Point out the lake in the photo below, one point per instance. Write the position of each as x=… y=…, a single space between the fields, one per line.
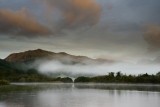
x=79 y=95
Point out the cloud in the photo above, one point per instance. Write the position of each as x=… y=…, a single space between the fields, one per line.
x=21 y=23
x=152 y=36
x=74 y=13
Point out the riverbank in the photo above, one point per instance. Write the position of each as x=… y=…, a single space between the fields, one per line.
x=28 y=87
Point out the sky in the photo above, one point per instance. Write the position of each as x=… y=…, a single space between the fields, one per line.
x=120 y=30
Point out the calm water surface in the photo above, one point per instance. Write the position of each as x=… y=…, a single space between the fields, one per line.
x=80 y=95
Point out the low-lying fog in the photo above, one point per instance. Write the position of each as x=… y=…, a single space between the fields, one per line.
x=96 y=69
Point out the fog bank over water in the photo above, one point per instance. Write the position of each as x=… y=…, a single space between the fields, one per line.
x=96 y=69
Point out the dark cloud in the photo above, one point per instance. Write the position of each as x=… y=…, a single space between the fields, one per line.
x=152 y=36
x=74 y=13
x=21 y=23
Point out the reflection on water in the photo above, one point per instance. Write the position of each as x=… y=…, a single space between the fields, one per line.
x=82 y=95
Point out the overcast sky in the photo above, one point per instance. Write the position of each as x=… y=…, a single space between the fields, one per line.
x=122 y=30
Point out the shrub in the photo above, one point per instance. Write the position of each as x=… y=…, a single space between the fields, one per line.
x=4 y=82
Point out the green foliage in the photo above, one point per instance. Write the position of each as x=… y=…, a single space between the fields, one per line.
x=82 y=79
x=111 y=74
x=119 y=74
x=158 y=74
x=65 y=80
x=120 y=78
x=4 y=82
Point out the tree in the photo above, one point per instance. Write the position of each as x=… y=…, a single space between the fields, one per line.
x=82 y=79
x=119 y=74
x=4 y=82
x=111 y=74
x=158 y=74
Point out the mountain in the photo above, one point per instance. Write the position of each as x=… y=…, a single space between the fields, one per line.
x=28 y=55
x=38 y=54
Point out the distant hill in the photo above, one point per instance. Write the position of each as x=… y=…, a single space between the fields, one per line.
x=38 y=54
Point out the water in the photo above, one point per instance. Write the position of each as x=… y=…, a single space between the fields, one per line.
x=80 y=95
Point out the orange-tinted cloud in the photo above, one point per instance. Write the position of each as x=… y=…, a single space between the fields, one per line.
x=76 y=13
x=21 y=23
x=152 y=36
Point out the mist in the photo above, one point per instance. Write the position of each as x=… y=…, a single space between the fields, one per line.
x=57 y=67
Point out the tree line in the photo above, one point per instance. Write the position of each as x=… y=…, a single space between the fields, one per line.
x=121 y=78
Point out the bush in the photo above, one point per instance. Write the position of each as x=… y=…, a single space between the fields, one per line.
x=64 y=80
x=4 y=82
x=82 y=79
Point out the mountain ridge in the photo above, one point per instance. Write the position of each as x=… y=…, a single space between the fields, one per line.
x=32 y=55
